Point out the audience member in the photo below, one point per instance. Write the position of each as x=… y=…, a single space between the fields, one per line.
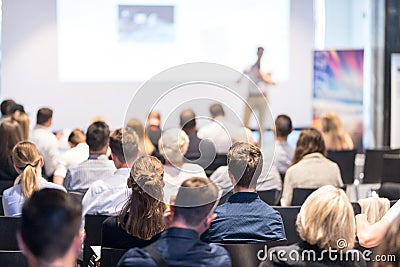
x=140 y=221
x=370 y=235
x=6 y=108
x=200 y=151
x=50 y=232
x=390 y=247
x=97 y=166
x=107 y=196
x=173 y=144
x=23 y=120
x=189 y=216
x=219 y=131
x=145 y=145
x=374 y=207
x=10 y=135
x=153 y=129
x=45 y=140
x=28 y=163
x=245 y=218
x=283 y=152
x=336 y=138
x=310 y=168
x=326 y=226
x=78 y=153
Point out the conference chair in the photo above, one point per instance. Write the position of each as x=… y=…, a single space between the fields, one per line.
x=8 y=231
x=78 y=195
x=111 y=256
x=373 y=164
x=250 y=255
x=289 y=216
x=5 y=184
x=13 y=258
x=271 y=197
x=225 y=197
x=93 y=225
x=390 y=182
x=1 y=206
x=300 y=195
x=356 y=208
x=345 y=159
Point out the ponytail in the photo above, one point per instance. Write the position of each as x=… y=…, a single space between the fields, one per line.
x=29 y=180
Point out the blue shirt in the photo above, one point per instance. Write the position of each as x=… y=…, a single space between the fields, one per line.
x=245 y=218
x=178 y=247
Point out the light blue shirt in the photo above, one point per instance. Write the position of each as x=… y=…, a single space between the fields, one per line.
x=13 y=199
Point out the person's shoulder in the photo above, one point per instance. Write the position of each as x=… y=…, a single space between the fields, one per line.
x=136 y=257
x=10 y=191
x=47 y=184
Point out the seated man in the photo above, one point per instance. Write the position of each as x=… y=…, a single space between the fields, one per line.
x=50 y=233
x=107 y=196
x=97 y=166
x=245 y=218
x=189 y=216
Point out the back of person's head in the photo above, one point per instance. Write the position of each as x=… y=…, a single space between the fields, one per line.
x=145 y=144
x=187 y=119
x=10 y=134
x=173 y=145
x=97 y=135
x=23 y=120
x=374 y=207
x=50 y=225
x=154 y=118
x=333 y=130
x=217 y=110
x=245 y=162
x=195 y=201
x=390 y=246
x=310 y=141
x=283 y=126
x=142 y=215
x=27 y=161
x=124 y=144
x=325 y=218
x=147 y=163
x=5 y=106
x=44 y=115
x=76 y=137
x=330 y=122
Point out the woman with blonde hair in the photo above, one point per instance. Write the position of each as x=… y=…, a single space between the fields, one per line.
x=28 y=163
x=326 y=226
x=140 y=221
x=310 y=168
x=23 y=120
x=145 y=144
x=389 y=249
x=335 y=137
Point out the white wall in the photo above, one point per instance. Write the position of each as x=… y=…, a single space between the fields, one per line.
x=29 y=70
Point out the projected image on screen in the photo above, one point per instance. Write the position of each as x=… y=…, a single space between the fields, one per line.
x=133 y=40
x=145 y=24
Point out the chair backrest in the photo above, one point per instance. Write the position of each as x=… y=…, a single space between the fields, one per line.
x=289 y=216
x=8 y=231
x=300 y=195
x=13 y=258
x=346 y=161
x=356 y=208
x=93 y=226
x=5 y=184
x=225 y=197
x=111 y=256
x=390 y=190
x=373 y=164
x=1 y=206
x=78 y=195
x=271 y=197
x=391 y=168
x=248 y=254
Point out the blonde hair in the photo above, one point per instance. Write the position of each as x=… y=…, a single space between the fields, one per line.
x=390 y=245
x=374 y=207
x=145 y=144
x=173 y=145
x=26 y=158
x=333 y=130
x=23 y=121
x=326 y=218
x=147 y=163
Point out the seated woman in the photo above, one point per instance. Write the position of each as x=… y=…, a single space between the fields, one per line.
x=145 y=144
x=28 y=164
x=335 y=137
x=326 y=225
x=310 y=168
x=141 y=219
x=173 y=145
x=390 y=247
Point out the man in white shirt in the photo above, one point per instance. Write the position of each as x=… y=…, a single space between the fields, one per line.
x=78 y=152
x=108 y=196
x=283 y=152
x=45 y=141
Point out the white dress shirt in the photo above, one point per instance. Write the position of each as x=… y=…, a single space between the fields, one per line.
x=175 y=176
x=107 y=197
x=393 y=212
x=71 y=157
x=47 y=144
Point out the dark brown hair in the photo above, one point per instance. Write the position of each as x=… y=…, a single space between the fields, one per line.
x=310 y=141
x=124 y=144
x=97 y=135
x=10 y=135
x=43 y=115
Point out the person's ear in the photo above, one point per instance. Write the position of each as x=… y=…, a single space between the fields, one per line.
x=77 y=243
x=41 y=162
x=231 y=177
x=16 y=169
